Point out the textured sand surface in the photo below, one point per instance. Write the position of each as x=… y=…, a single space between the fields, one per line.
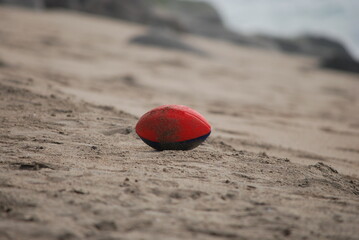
x=282 y=161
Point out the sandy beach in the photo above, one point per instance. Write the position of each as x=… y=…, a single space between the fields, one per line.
x=282 y=161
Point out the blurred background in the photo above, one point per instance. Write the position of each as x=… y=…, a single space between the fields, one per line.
x=326 y=29
x=331 y=18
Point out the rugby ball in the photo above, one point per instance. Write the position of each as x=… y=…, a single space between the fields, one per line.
x=173 y=127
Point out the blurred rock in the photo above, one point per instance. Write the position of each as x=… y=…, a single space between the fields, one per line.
x=198 y=18
x=331 y=54
x=339 y=63
x=165 y=39
x=134 y=10
x=308 y=45
x=36 y=4
x=202 y=19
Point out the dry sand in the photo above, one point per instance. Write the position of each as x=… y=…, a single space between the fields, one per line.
x=282 y=161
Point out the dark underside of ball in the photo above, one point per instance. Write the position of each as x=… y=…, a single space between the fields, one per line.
x=184 y=145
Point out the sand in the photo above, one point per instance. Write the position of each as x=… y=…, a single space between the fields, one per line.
x=282 y=161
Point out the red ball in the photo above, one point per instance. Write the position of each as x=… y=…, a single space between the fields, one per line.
x=173 y=127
